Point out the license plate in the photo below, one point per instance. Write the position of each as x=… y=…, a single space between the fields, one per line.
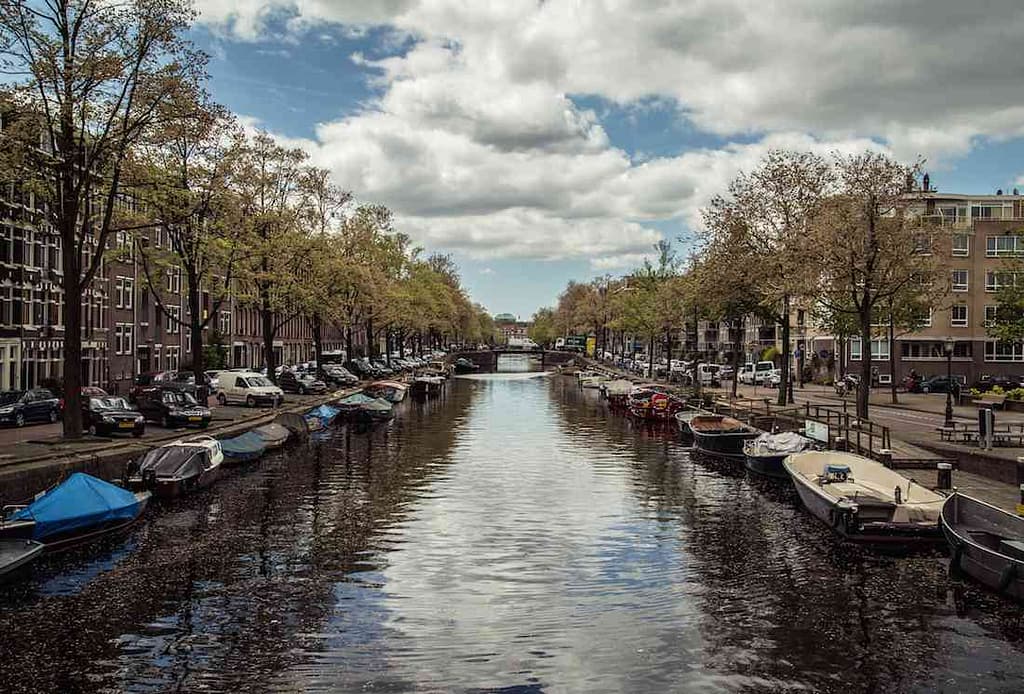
x=195 y=419
x=126 y=425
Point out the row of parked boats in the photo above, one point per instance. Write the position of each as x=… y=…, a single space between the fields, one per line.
x=83 y=508
x=860 y=499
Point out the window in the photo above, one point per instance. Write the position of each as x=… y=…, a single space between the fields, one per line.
x=987 y=211
x=879 y=349
x=959 y=280
x=990 y=314
x=124 y=292
x=173 y=356
x=174 y=280
x=173 y=320
x=961 y=245
x=951 y=214
x=958 y=316
x=933 y=349
x=124 y=334
x=996 y=280
x=1000 y=246
x=1004 y=351
x=225 y=323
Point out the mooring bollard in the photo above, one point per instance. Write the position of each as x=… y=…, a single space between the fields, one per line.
x=885 y=457
x=1020 y=484
x=946 y=475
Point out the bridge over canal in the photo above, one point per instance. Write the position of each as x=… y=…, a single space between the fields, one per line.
x=487 y=359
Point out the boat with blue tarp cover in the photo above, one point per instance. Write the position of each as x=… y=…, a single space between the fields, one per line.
x=243 y=448
x=362 y=406
x=79 y=509
x=274 y=435
x=322 y=416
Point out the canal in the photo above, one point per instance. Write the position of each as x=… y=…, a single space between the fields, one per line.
x=511 y=536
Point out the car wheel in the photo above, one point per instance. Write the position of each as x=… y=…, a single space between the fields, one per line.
x=222 y=399
x=19 y=420
x=92 y=430
x=250 y=401
x=925 y=389
x=53 y=416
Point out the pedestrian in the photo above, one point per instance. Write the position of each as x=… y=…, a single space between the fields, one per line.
x=874 y=376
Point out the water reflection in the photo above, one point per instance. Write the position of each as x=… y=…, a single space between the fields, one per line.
x=511 y=535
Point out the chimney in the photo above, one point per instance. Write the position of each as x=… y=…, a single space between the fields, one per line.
x=926 y=184
x=1016 y=192
x=999 y=192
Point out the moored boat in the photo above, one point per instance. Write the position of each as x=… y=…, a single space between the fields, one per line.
x=243 y=448
x=362 y=406
x=178 y=467
x=321 y=417
x=986 y=544
x=653 y=403
x=617 y=392
x=80 y=509
x=423 y=386
x=765 y=454
x=864 y=501
x=721 y=436
x=685 y=416
x=464 y=366
x=273 y=435
x=392 y=391
x=17 y=553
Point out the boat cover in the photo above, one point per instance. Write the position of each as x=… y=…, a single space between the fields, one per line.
x=245 y=446
x=176 y=461
x=325 y=413
x=80 y=501
x=778 y=444
x=377 y=405
x=295 y=423
x=618 y=387
x=272 y=434
x=355 y=400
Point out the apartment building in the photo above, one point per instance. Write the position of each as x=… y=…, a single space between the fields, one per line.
x=124 y=330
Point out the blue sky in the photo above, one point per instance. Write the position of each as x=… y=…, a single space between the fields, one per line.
x=543 y=142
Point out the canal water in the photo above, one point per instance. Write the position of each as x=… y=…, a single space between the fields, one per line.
x=512 y=536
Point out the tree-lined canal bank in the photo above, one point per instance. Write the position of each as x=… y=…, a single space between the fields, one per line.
x=514 y=534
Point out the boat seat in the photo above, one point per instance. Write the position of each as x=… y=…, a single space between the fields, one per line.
x=1012 y=548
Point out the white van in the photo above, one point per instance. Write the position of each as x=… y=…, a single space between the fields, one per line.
x=249 y=388
x=762 y=370
x=746 y=374
x=708 y=374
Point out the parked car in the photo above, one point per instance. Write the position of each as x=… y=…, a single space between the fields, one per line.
x=186 y=380
x=761 y=371
x=171 y=407
x=773 y=379
x=249 y=388
x=935 y=384
x=383 y=368
x=86 y=392
x=301 y=383
x=148 y=379
x=18 y=407
x=746 y=374
x=363 y=368
x=214 y=380
x=725 y=373
x=987 y=383
x=337 y=374
x=105 y=415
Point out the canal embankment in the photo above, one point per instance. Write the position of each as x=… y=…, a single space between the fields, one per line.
x=29 y=469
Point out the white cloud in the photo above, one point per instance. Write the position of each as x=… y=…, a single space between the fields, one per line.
x=476 y=144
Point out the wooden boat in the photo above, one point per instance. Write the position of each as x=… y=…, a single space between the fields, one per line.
x=986 y=543
x=721 y=436
x=16 y=554
x=177 y=468
x=685 y=416
x=653 y=403
x=392 y=391
x=864 y=501
x=244 y=448
x=273 y=435
x=80 y=509
x=423 y=386
x=765 y=454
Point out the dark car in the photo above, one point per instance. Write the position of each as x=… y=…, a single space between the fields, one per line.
x=382 y=368
x=987 y=383
x=106 y=415
x=935 y=384
x=147 y=380
x=19 y=407
x=291 y=382
x=171 y=407
x=335 y=373
x=362 y=368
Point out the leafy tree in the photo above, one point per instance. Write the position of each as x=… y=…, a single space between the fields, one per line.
x=542 y=328
x=94 y=77
x=1007 y=325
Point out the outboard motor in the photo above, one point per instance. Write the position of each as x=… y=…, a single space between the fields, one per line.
x=897 y=495
x=149 y=479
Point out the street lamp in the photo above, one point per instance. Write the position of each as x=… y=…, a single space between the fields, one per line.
x=950 y=343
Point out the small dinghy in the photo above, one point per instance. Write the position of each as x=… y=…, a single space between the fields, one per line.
x=178 y=467
x=321 y=417
x=764 y=455
x=294 y=423
x=392 y=391
x=80 y=509
x=362 y=406
x=652 y=403
x=273 y=435
x=721 y=436
x=864 y=501
x=986 y=543
x=684 y=417
x=424 y=386
x=243 y=448
x=16 y=554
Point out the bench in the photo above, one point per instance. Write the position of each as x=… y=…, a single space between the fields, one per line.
x=991 y=400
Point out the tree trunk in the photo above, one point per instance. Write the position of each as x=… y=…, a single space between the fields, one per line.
x=72 y=344
x=317 y=328
x=349 y=354
x=650 y=358
x=370 y=352
x=267 y=317
x=864 y=391
x=668 y=352
x=196 y=340
x=736 y=353
x=785 y=367
x=401 y=344
x=696 y=350
x=388 y=346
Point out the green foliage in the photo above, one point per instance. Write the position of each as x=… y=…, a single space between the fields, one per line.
x=1015 y=394
x=215 y=352
x=542 y=331
x=769 y=354
x=1008 y=324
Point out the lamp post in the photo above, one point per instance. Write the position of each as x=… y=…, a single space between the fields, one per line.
x=950 y=343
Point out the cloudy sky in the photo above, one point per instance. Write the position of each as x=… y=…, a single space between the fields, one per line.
x=539 y=140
